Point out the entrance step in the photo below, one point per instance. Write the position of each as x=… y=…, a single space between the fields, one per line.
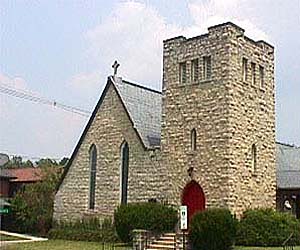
x=167 y=241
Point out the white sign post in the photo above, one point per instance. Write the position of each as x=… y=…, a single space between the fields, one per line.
x=183 y=218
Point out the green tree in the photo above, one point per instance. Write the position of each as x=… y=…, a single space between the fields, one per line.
x=32 y=208
x=64 y=161
x=18 y=162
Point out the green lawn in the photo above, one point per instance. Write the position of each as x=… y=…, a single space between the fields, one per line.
x=262 y=248
x=81 y=245
x=60 y=245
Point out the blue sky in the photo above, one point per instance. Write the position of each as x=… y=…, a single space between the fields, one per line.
x=63 y=51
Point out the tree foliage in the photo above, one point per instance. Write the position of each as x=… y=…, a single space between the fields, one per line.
x=32 y=207
x=18 y=162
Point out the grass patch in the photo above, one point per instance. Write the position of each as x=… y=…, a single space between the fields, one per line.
x=262 y=248
x=61 y=245
x=84 y=245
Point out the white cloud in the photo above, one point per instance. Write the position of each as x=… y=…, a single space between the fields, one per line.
x=133 y=35
x=212 y=12
x=86 y=82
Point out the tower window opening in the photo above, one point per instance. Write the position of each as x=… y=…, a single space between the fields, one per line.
x=182 y=72
x=244 y=69
x=193 y=140
x=195 y=70
x=261 y=77
x=253 y=73
x=207 y=67
x=254 y=158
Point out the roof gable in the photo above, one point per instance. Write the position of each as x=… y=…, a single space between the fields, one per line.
x=137 y=102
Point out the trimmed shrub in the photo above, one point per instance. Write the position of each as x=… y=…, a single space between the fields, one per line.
x=266 y=227
x=154 y=217
x=213 y=229
x=87 y=229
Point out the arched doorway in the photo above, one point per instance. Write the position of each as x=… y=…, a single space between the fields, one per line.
x=193 y=197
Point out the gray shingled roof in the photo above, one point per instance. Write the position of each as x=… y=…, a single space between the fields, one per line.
x=144 y=107
x=288 y=166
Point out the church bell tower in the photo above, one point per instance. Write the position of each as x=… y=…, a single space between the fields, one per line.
x=218 y=120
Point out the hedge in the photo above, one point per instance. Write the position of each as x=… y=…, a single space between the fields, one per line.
x=266 y=227
x=154 y=217
x=86 y=229
x=213 y=229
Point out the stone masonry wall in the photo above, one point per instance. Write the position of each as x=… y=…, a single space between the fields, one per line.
x=252 y=121
x=111 y=126
x=228 y=115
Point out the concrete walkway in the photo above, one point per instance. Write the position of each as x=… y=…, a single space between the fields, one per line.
x=23 y=238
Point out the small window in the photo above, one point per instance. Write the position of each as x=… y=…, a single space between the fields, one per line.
x=253 y=73
x=261 y=77
x=253 y=157
x=93 y=168
x=195 y=70
x=207 y=67
x=244 y=69
x=193 y=140
x=182 y=73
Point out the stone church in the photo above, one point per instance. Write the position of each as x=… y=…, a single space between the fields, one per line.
x=207 y=140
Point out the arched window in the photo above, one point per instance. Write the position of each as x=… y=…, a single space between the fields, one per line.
x=253 y=157
x=124 y=172
x=93 y=168
x=193 y=139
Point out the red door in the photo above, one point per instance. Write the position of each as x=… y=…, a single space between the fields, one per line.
x=193 y=197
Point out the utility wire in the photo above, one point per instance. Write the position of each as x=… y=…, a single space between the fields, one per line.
x=33 y=98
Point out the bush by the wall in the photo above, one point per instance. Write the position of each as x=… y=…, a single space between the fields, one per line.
x=266 y=227
x=154 y=217
x=86 y=229
x=213 y=229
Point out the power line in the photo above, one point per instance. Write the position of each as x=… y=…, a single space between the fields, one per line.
x=34 y=98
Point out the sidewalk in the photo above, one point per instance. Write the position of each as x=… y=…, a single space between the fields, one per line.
x=24 y=238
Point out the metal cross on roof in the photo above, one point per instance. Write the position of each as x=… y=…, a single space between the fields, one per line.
x=115 y=67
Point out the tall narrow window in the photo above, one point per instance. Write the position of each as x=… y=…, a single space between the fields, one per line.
x=253 y=157
x=261 y=77
x=207 y=67
x=195 y=70
x=124 y=172
x=244 y=69
x=253 y=73
x=193 y=140
x=93 y=168
x=182 y=72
